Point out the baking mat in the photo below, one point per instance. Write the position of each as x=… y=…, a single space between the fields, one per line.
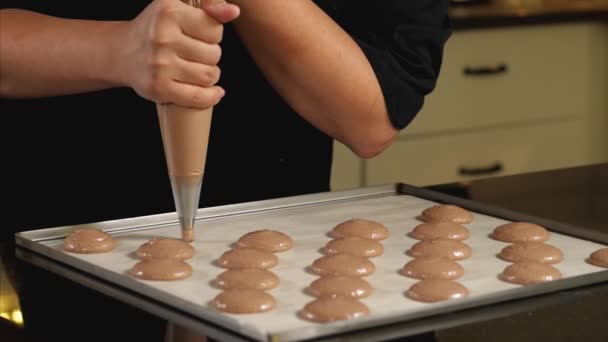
x=307 y=219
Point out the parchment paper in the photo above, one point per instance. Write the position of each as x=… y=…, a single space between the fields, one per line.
x=308 y=227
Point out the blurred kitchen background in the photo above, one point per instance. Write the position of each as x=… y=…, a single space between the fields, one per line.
x=523 y=87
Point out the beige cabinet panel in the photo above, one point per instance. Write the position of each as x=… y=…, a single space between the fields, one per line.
x=548 y=109
x=507 y=151
x=598 y=119
x=346 y=171
x=548 y=73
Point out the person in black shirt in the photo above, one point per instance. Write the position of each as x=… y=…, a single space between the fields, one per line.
x=295 y=76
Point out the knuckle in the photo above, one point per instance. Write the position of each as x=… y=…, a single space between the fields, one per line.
x=203 y=97
x=160 y=29
x=216 y=53
x=160 y=41
x=211 y=75
x=155 y=85
x=157 y=63
x=216 y=33
x=160 y=37
x=216 y=73
x=166 y=11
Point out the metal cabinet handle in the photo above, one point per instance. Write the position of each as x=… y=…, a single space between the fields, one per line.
x=478 y=171
x=467 y=2
x=485 y=70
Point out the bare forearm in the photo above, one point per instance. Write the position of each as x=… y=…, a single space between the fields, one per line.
x=319 y=70
x=45 y=56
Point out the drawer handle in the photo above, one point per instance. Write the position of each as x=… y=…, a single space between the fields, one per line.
x=486 y=70
x=477 y=171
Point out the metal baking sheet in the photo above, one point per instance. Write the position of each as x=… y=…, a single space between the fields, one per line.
x=307 y=219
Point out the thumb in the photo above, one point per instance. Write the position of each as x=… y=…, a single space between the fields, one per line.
x=220 y=10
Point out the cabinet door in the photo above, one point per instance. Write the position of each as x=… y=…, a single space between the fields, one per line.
x=346 y=171
x=547 y=109
x=513 y=75
x=453 y=158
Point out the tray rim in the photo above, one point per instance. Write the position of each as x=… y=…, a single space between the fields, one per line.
x=159 y=220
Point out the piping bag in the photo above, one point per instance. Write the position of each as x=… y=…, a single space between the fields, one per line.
x=185 y=134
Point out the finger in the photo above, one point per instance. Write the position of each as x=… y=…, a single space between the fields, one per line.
x=188 y=95
x=212 y=2
x=223 y=13
x=200 y=52
x=197 y=74
x=197 y=24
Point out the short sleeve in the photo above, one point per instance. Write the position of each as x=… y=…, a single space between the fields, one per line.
x=403 y=41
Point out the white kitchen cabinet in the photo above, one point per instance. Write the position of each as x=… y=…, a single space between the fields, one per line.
x=508 y=100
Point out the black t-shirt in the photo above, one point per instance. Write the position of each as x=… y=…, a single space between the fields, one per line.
x=98 y=156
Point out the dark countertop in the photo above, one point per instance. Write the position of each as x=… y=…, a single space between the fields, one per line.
x=578 y=196
x=491 y=13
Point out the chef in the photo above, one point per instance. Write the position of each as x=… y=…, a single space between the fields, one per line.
x=79 y=80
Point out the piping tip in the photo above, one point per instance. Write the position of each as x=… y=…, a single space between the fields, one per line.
x=188 y=234
x=186 y=193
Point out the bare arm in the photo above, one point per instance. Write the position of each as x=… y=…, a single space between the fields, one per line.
x=167 y=54
x=43 y=56
x=319 y=70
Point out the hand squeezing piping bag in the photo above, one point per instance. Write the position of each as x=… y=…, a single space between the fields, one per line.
x=185 y=134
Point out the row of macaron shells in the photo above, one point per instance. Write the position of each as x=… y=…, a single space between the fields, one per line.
x=437 y=253
x=530 y=256
x=247 y=280
x=441 y=247
x=346 y=262
x=163 y=259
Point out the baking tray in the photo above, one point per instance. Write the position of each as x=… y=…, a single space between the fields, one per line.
x=307 y=219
